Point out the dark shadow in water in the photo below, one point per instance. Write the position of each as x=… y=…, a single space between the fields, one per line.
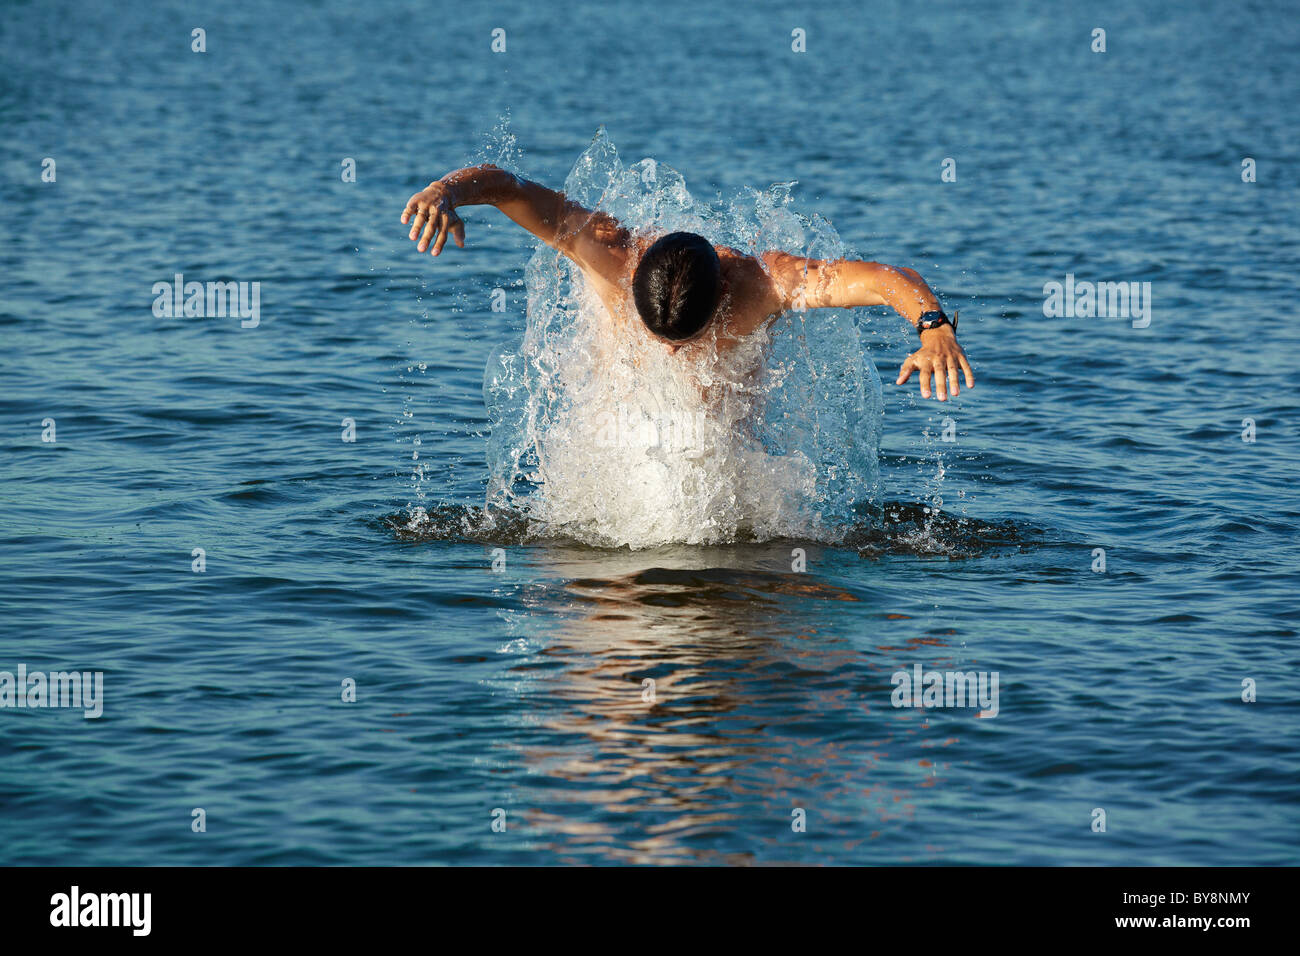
x=893 y=528
x=771 y=691
x=760 y=703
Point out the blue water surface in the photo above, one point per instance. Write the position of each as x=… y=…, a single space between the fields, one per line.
x=524 y=690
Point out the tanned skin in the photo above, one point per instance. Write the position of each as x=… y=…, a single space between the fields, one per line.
x=755 y=290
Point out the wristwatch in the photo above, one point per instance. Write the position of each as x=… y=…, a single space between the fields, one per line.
x=934 y=319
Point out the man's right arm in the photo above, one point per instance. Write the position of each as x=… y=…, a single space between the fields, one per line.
x=594 y=240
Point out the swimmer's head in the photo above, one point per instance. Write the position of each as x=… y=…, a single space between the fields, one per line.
x=677 y=285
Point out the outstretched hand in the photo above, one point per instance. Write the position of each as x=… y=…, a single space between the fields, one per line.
x=434 y=211
x=939 y=357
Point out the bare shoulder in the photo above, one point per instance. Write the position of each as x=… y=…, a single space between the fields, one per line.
x=786 y=270
x=755 y=291
x=610 y=267
x=601 y=245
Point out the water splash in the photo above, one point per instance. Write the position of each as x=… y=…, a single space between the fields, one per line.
x=599 y=434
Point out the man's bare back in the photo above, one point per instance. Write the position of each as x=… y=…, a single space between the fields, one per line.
x=751 y=290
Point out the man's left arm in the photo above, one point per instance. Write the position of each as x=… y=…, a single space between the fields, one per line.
x=847 y=284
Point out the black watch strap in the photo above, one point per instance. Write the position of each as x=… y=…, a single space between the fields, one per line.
x=934 y=319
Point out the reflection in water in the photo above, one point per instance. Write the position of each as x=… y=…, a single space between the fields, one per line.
x=757 y=704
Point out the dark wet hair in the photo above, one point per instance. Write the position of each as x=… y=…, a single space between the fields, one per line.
x=677 y=284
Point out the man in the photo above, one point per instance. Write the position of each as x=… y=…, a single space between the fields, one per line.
x=679 y=285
